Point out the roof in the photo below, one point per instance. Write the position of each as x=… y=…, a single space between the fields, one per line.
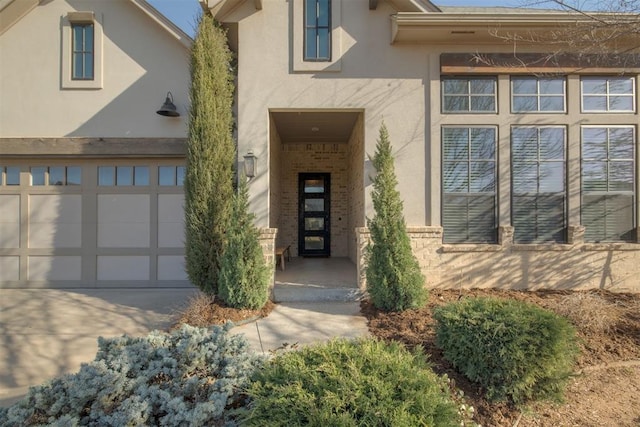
x=12 y=11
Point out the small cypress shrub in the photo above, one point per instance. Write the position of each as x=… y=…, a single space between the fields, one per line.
x=514 y=350
x=244 y=275
x=394 y=280
x=349 y=383
x=190 y=377
x=208 y=184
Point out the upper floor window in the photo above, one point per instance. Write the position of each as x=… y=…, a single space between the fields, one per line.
x=538 y=177
x=123 y=175
x=531 y=94
x=608 y=94
x=608 y=183
x=469 y=95
x=469 y=184
x=317 y=30
x=82 y=51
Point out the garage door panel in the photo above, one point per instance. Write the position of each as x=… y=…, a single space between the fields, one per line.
x=51 y=235
x=124 y=221
x=10 y=221
x=65 y=208
x=171 y=267
x=9 y=268
x=55 y=268
x=123 y=267
x=171 y=220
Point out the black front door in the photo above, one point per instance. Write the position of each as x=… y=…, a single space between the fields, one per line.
x=313 y=217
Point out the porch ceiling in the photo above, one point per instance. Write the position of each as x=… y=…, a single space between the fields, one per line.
x=314 y=126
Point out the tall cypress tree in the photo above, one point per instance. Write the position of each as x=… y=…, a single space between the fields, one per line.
x=211 y=151
x=394 y=280
x=244 y=275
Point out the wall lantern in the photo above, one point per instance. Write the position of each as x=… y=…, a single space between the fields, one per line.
x=250 y=164
x=168 y=109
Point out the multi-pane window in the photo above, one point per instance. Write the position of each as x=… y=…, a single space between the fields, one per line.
x=608 y=94
x=608 y=183
x=469 y=184
x=82 y=51
x=317 y=30
x=469 y=95
x=56 y=175
x=538 y=183
x=9 y=175
x=123 y=175
x=171 y=175
x=537 y=94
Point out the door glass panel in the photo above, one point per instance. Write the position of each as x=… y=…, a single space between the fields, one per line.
x=313 y=224
x=314 y=205
x=313 y=243
x=314 y=186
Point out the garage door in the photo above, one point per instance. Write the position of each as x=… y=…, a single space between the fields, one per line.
x=95 y=223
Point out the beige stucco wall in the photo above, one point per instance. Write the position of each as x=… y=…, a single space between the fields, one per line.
x=141 y=63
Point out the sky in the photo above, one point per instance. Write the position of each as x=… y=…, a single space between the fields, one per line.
x=184 y=13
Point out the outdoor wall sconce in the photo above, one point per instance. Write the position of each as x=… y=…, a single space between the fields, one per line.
x=250 y=164
x=168 y=109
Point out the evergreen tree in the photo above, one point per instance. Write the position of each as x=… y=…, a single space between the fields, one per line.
x=244 y=275
x=394 y=280
x=208 y=182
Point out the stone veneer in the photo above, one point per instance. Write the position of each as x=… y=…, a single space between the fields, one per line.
x=268 y=244
x=506 y=265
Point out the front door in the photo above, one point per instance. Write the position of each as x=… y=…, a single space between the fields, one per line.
x=313 y=217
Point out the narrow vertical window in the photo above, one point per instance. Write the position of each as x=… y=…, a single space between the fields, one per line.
x=608 y=183
x=538 y=184
x=317 y=30
x=469 y=184
x=82 y=51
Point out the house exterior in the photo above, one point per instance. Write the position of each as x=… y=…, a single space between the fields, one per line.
x=516 y=170
x=90 y=175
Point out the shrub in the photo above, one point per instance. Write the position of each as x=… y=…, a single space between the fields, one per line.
x=349 y=383
x=190 y=377
x=394 y=280
x=244 y=275
x=511 y=348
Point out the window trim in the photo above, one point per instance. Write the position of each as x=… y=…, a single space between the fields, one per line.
x=607 y=95
x=538 y=95
x=469 y=95
x=66 y=70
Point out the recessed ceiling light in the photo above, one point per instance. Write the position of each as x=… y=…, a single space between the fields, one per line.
x=315 y=129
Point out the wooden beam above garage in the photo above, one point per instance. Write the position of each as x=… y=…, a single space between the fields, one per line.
x=93 y=147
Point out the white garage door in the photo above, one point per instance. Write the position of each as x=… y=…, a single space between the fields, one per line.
x=95 y=223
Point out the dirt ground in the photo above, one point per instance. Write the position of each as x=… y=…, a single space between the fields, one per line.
x=605 y=389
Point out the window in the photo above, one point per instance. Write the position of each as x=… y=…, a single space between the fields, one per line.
x=123 y=175
x=469 y=184
x=464 y=95
x=608 y=94
x=608 y=183
x=171 y=175
x=533 y=94
x=317 y=30
x=56 y=175
x=82 y=51
x=9 y=175
x=538 y=184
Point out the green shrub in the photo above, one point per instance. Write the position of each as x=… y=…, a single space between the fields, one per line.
x=513 y=349
x=394 y=280
x=349 y=383
x=191 y=377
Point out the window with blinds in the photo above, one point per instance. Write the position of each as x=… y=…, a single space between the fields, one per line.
x=608 y=183
x=538 y=174
x=469 y=184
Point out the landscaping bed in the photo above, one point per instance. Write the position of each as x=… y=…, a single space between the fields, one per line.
x=607 y=382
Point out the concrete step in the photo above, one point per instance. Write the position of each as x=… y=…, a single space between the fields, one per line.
x=315 y=293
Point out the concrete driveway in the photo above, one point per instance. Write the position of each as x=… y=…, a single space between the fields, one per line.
x=45 y=332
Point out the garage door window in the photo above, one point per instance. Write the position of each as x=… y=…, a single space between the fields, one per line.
x=171 y=176
x=56 y=175
x=9 y=175
x=123 y=176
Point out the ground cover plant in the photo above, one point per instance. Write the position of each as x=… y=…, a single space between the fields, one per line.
x=607 y=382
x=364 y=382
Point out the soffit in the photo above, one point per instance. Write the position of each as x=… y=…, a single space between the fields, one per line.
x=314 y=126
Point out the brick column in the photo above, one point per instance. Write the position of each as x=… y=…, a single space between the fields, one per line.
x=268 y=245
